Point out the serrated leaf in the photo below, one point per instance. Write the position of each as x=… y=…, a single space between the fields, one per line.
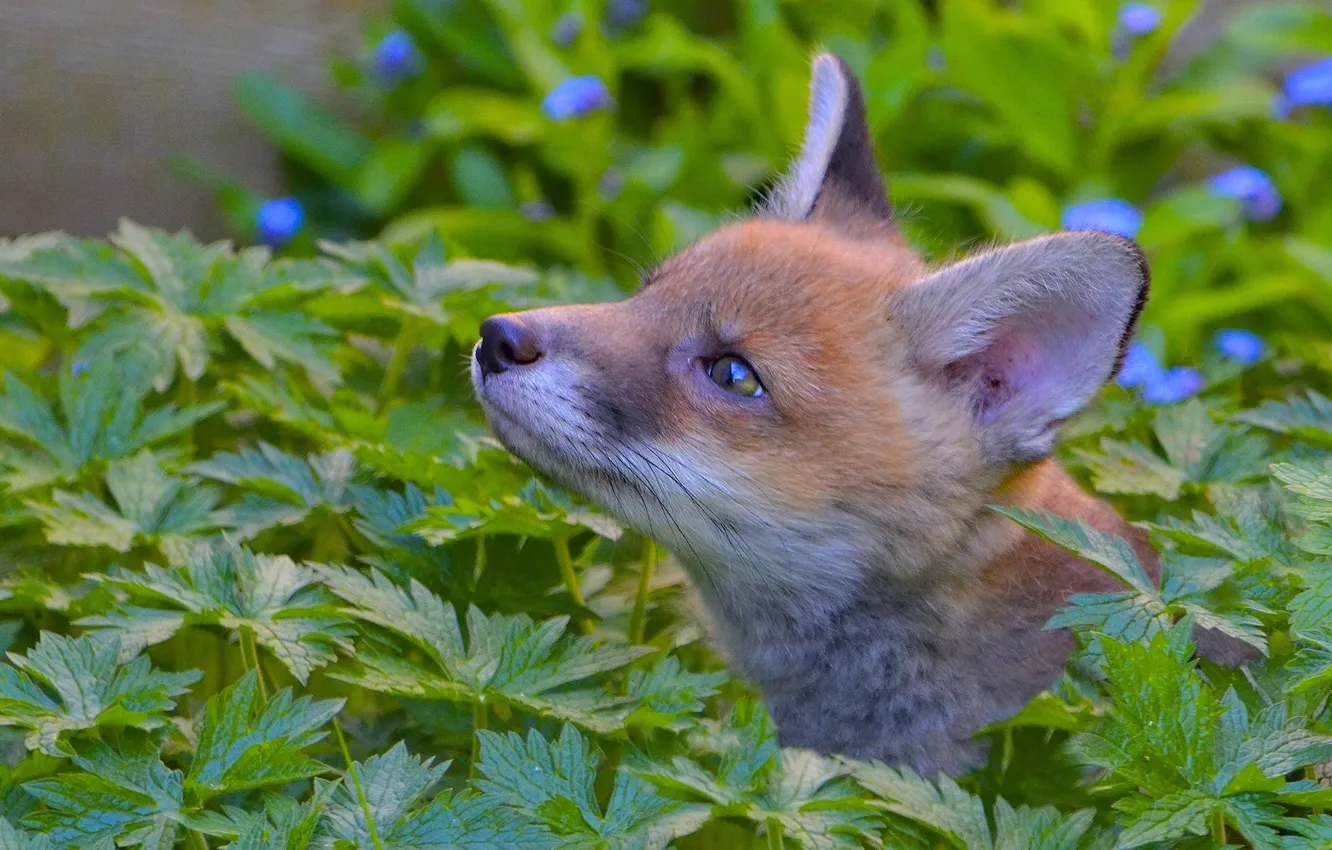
x=1107 y=551
x=271 y=597
x=284 y=489
x=246 y=743
x=943 y=807
x=1132 y=468
x=150 y=507
x=531 y=665
x=87 y=689
x=101 y=418
x=130 y=798
x=550 y=784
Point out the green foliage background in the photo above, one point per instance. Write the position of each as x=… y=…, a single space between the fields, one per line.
x=268 y=583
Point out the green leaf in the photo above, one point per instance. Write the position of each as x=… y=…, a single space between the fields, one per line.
x=102 y=420
x=531 y=665
x=1134 y=469
x=1307 y=417
x=68 y=684
x=272 y=597
x=12 y=838
x=151 y=507
x=129 y=797
x=303 y=131
x=1170 y=817
x=1109 y=552
x=246 y=743
x=283 y=489
x=943 y=807
x=550 y=784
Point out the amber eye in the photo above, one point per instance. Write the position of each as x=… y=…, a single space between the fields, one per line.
x=735 y=376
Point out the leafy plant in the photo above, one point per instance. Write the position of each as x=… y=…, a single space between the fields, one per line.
x=265 y=581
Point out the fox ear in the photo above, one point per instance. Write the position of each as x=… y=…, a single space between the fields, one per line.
x=835 y=178
x=1026 y=335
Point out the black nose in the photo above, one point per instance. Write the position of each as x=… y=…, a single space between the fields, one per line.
x=507 y=343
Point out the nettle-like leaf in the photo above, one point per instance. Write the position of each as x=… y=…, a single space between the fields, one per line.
x=282 y=489
x=12 y=838
x=100 y=417
x=533 y=511
x=428 y=285
x=1144 y=610
x=282 y=822
x=528 y=664
x=746 y=774
x=959 y=817
x=1307 y=418
x=245 y=742
x=165 y=298
x=394 y=786
x=128 y=797
x=1197 y=453
x=1193 y=756
x=549 y=786
x=269 y=596
x=671 y=696
x=69 y=684
x=150 y=507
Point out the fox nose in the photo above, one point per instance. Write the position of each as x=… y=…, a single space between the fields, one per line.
x=507 y=343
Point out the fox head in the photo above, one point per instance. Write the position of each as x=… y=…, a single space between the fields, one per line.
x=796 y=403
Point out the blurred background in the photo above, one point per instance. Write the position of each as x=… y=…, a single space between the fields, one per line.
x=600 y=134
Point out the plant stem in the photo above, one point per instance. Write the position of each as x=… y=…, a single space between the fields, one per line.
x=402 y=347
x=197 y=840
x=356 y=783
x=186 y=395
x=563 y=558
x=480 y=566
x=248 y=645
x=648 y=565
x=774 y=834
x=1219 y=825
x=478 y=724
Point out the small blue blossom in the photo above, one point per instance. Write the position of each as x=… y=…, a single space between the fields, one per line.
x=78 y=367
x=1140 y=366
x=1253 y=187
x=935 y=59
x=1139 y=19
x=566 y=30
x=1173 y=385
x=278 y=220
x=610 y=185
x=576 y=97
x=1110 y=215
x=538 y=210
x=396 y=58
x=623 y=15
x=1308 y=86
x=1243 y=347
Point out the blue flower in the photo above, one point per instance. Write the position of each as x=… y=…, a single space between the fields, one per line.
x=78 y=367
x=1111 y=215
x=278 y=220
x=1241 y=346
x=1173 y=385
x=1308 y=86
x=1253 y=187
x=623 y=15
x=576 y=97
x=1139 y=19
x=566 y=30
x=1140 y=366
x=610 y=185
x=396 y=58
x=538 y=210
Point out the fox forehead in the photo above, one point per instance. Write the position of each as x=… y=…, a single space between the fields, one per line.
x=801 y=270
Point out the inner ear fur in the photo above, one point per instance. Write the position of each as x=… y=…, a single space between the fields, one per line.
x=835 y=179
x=1026 y=335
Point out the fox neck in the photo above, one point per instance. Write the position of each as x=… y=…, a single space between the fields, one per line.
x=945 y=645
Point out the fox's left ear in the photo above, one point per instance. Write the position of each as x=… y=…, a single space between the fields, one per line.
x=835 y=179
x=1025 y=335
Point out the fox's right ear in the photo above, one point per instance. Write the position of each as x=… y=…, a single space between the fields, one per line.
x=835 y=179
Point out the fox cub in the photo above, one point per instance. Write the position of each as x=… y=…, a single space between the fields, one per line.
x=814 y=422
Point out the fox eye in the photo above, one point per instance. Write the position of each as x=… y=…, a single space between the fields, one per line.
x=735 y=376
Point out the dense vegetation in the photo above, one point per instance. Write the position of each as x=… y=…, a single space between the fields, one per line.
x=267 y=583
